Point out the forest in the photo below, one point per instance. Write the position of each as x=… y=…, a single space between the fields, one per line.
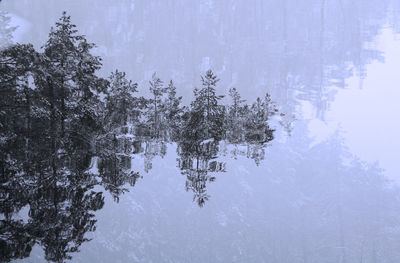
x=64 y=130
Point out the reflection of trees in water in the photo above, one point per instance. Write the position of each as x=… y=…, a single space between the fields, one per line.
x=196 y=166
x=52 y=118
x=198 y=161
x=60 y=140
x=153 y=149
x=313 y=208
x=60 y=216
x=305 y=204
x=115 y=171
x=201 y=165
x=61 y=207
x=309 y=204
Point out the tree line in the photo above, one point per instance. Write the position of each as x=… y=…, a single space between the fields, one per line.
x=56 y=114
x=53 y=104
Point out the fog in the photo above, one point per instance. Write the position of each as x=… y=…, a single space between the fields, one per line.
x=324 y=189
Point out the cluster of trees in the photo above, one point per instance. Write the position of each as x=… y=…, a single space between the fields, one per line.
x=163 y=117
x=57 y=114
x=57 y=95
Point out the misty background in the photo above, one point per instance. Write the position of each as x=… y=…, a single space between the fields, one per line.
x=326 y=190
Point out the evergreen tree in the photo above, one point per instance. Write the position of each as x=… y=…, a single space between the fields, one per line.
x=72 y=69
x=207 y=96
x=121 y=104
x=61 y=51
x=68 y=85
x=235 y=120
x=172 y=111
x=207 y=115
x=156 y=108
x=257 y=129
x=20 y=113
x=269 y=106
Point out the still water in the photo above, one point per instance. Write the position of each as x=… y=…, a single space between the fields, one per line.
x=324 y=190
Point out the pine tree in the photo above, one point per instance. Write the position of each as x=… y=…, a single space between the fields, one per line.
x=156 y=108
x=257 y=128
x=18 y=108
x=68 y=85
x=269 y=106
x=61 y=51
x=208 y=97
x=235 y=127
x=206 y=111
x=120 y=101
x=72 y=67
x=172 y=111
